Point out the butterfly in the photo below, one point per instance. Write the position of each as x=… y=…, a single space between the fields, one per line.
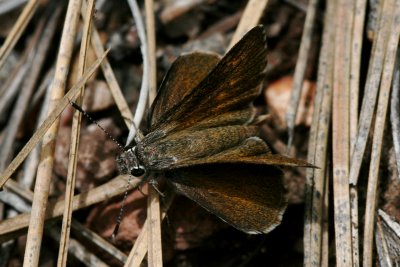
x=203 y=138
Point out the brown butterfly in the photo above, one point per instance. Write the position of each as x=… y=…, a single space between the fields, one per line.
x=203 y=138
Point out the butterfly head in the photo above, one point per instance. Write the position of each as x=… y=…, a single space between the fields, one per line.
x=128 y=163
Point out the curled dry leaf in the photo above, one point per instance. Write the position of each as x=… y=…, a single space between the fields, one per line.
x=277 y=96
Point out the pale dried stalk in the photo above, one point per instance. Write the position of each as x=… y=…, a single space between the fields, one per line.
x=370 y=91
x=139 y=249
x=74 y=144
x=75 y=248
x=357 y=43
x=354 y=225
x=300 y=70
x=24 y=95
x=356 y=46
x=98 y=241
x=33 y=141
x=313 y=205
x=251 y=16
x=325 y=223
x=45 y=168
x=79 y=251
x=154 y=255
x=109 y=74
x=17 y=30
x=384 y=93
x=144 y=87
x=11 y=86
x=395 y=113
x=113 y=188
x=382 y=246
x=341 y=134
x=151 y=49
x=356 y=36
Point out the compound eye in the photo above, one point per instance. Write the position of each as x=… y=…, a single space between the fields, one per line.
x=137 y=171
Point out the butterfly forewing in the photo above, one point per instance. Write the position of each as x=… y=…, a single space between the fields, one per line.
x=231 y=85
x=185 y=73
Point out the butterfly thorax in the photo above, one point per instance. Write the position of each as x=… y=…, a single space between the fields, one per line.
x=182 y=148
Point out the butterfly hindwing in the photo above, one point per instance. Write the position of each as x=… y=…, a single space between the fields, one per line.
x=248 y=197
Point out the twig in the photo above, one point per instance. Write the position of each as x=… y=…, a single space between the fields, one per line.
x=300 y=70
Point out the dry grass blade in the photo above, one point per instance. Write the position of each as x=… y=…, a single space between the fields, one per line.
x=24 y=95
x=79 y=251
x=11 y=228
x=144 y=88
x=357 y=42
x=251 y=16
x=317 y=182
x=45 y=168
x=139 y=250
x=388 y=231
x=325 y=223
x=71 y=95
x=151 y=49
x=75 y=248
x=154 y=254
x=395 y=112
x=370 y=91
x=300 y=69
x=17 y=30
x=73 y=155
x=340 y=134
x=383 y=101
x=382 y=246
x=154 y=248
x=109 y=74
x=95 y=239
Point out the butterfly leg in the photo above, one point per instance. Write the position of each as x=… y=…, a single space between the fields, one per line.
x=153 y=182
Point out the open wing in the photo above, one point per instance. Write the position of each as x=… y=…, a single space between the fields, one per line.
x=248 y=197
x=232 y=85
x=185 y=73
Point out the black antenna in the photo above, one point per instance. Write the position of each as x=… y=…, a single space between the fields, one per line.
x=121 y=212
x=73 y=104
